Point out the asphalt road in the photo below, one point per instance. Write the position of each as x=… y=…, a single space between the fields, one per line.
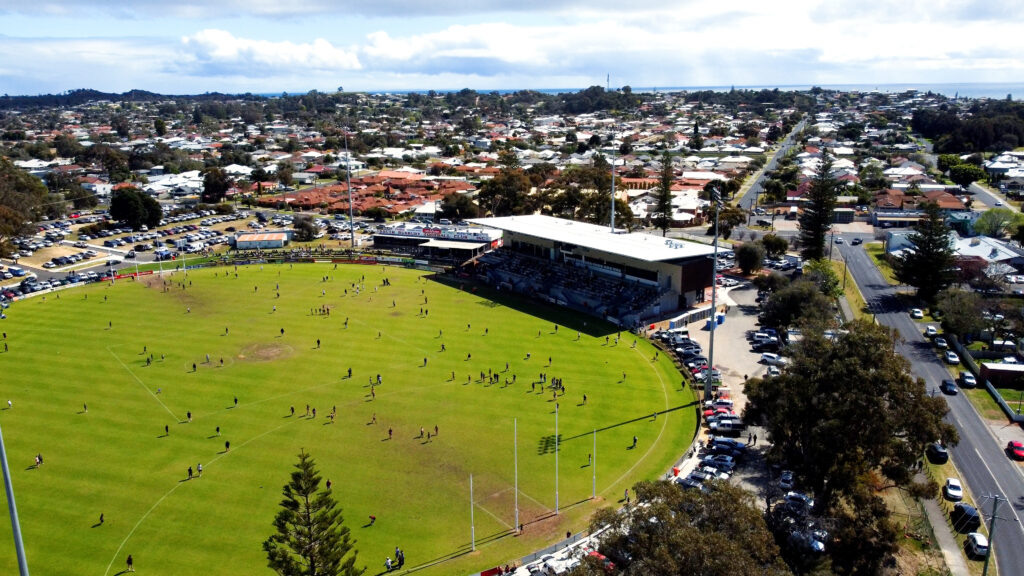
x=989 y=199
x=984 y=464
x=747 y=200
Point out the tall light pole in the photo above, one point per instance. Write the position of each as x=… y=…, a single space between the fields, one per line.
x=716 y=198
x=515 y=457
x=348 y=182
x=556 y=457
x=613 y=192
x=19 y=546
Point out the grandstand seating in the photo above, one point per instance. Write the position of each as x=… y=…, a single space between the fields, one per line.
x=575 y=286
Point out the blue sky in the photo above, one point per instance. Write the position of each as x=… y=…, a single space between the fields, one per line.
x=193 y=46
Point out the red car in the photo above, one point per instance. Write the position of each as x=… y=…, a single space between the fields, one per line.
x=1016 y=449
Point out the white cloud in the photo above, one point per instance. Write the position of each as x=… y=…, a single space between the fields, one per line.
x=220 y=52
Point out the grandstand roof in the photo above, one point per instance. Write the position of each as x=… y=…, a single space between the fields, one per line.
x=639 y=246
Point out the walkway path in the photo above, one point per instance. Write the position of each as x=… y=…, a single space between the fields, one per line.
x=944 y=537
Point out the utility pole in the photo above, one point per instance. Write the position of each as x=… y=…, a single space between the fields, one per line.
x=991 y=532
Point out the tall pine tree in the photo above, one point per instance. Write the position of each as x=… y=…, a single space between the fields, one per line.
x=663 y=202
x=928 y=265
x=816 y=220
x=311 y=539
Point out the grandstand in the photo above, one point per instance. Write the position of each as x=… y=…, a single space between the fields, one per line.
x=624 y=278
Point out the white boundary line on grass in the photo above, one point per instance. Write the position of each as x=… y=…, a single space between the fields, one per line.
x=664 y=423
x=176 y=486
x=141 y=383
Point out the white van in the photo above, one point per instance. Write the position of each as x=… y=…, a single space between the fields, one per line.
x=760 y=337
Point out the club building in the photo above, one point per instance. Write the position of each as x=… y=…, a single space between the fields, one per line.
x=625 y=278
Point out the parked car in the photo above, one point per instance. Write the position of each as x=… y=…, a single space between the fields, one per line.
x=941 y=343
x=721 y=462
x=967 y=379
x=952 y=358
x=965 y=517
x=937 y=453
x=976 y=545
x=772 y=359
x=953 y=490
x=1015 y=448
x=799 y=501
x=931 y=332
x=773 y=371
x=786 y=481
x=916 y=313
x=948 y=387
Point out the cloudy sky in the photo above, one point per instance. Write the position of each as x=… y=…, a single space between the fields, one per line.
x=193 y=46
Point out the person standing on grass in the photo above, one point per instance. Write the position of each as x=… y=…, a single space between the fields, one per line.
x=131 y=564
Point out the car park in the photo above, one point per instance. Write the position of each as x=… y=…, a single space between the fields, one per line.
x=952 y=358
x=948 y=387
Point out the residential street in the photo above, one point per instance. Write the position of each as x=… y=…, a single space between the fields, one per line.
x=980 y=456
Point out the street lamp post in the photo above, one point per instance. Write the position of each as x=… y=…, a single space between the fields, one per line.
x=716 y=197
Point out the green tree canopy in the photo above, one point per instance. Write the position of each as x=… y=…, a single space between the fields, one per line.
x=458 y=207
x=928 y=264
x=311 y=538
x=774 y=245
x=21 y=199
x=671 y=531
x=507 y=194
x=749 y=256
x=961 y=311
x=135 y=208
x=816 y=219
x=661 y=216
x=996 y=222
x=800 y=303
x=964 y=174
x=215 y=185
x=824 y=277
x=843 y=411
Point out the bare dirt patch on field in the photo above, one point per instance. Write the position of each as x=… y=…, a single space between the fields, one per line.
x=265 y=352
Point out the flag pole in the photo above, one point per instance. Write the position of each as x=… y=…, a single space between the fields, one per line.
x=593 y=463
x=556 y=458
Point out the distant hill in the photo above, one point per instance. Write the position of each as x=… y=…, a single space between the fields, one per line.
x=86 y=95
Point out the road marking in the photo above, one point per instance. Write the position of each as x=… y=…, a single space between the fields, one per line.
x=1006 y=495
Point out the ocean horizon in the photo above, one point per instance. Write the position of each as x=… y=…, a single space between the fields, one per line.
x=993 y=90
